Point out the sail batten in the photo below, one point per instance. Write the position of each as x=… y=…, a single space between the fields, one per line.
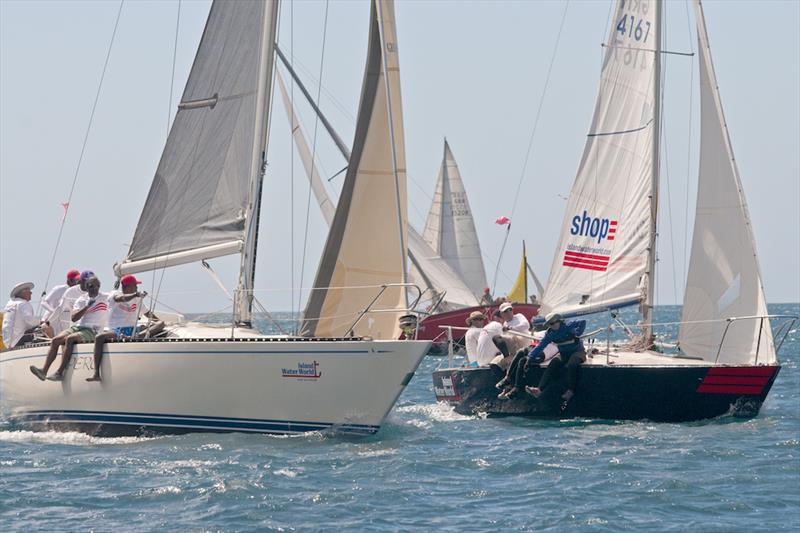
x=724 y=278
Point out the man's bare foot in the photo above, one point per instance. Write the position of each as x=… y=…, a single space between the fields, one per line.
x=94 y=378
x=58 y=376
x=534 y=391
x=38 y=372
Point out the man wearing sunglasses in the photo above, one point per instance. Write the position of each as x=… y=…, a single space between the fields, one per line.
x=90 y=313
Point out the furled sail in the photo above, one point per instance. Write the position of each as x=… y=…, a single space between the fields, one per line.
x=363 y=249
x=602 y=255
x=724 y=277
x=427 y=269
x=450 y=229
x=198 y=203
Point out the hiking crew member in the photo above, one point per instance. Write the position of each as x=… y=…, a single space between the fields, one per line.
x=19 y=319
x=490 y=341
x=514 y=322
x=91 y=314
x=125 y=307
x=476 y=321
x=69 y=298
x=571 y=353
x=53 y=316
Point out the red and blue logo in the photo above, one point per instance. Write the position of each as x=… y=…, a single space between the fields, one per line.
x=597 y=228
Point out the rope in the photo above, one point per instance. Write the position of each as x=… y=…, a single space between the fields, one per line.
x=313 y=153
x=83 y=149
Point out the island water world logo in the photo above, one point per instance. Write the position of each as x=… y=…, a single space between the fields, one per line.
x=308 y=371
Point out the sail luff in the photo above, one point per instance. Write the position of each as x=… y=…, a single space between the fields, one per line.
x=724 y=278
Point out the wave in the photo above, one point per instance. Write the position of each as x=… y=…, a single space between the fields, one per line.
x=71 y=438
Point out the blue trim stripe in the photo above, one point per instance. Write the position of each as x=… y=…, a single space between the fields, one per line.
x=145 y=420
x=217 y=352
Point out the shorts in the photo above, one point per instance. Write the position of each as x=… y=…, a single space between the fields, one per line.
x=87 y=334
x=123 y=332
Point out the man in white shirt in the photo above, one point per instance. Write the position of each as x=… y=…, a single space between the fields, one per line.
x=53 y=316
x=91 y=314
x=514 y=322
x=126 y=304
x=69 y=298
x=490 y=342
x=19 y=318
x=476 y=321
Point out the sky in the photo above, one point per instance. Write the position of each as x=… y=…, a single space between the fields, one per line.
x=474 y=72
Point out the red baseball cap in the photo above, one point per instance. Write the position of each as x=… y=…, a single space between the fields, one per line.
x=74 y=274
x=129 y=280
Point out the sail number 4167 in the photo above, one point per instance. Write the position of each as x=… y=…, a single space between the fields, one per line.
x=629 y=27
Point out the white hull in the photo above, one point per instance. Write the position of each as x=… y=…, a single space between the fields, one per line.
x=255 y=385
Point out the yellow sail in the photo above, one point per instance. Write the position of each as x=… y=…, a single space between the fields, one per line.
x=2 y=345
x=519 y=292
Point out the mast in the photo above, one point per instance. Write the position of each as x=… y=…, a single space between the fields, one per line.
x=647 y=307
x=389 y=47
x=243 y=302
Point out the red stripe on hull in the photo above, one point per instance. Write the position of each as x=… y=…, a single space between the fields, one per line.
x=736 y=380
x=742 y=371
x=730 y=389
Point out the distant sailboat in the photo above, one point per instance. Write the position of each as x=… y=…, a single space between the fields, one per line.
x=205 y=202
x=606 y=257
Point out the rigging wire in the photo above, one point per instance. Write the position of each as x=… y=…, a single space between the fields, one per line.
x=83 y=147
x=291 y=159
x=689 y=146
x=313 y=153
x=535 y=126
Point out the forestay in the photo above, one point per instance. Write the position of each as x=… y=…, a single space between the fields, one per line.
x=363 y=249
x=724 y=277
x=197 y=205
x=602 y=255
x=450 y=229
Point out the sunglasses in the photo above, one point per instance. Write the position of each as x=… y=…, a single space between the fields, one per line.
x=92 y=286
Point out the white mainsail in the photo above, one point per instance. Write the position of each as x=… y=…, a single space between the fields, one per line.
x=202 y=193
x=603 y=253
x=450 y=229
x=724 y=278
x=364 y=247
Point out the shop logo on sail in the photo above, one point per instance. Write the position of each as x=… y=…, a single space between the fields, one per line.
x=590 y=257
x=308 y=371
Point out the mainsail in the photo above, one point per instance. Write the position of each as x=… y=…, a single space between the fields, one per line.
x=603 y=253
x=364 y=248
x=724 y=278
x=202 y=195
x=450 y=229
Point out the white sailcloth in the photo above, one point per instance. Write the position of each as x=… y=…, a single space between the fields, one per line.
x=363 y=249
x=197 y=205
x=602 y=255
x=724 y=277
x=450 y=229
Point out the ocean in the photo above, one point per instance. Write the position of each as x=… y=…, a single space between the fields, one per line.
x=427 y=468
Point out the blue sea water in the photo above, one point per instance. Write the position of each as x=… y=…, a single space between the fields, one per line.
x=427 y=468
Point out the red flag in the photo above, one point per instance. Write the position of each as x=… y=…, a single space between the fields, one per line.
x=502 y=221
x=65 y=205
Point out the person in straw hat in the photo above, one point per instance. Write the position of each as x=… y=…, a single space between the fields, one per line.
x=475 y=321
x=19 y=319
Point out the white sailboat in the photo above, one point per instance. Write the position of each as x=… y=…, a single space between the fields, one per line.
x=606 y=256
x=204 y=203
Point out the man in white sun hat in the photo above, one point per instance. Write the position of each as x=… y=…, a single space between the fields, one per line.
x=19 y=319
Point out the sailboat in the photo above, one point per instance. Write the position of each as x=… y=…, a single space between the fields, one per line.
x=346 y=370
x=727 y=358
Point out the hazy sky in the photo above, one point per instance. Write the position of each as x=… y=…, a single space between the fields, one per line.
x=472 y=71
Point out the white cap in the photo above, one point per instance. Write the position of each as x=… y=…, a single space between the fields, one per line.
x=505 y=306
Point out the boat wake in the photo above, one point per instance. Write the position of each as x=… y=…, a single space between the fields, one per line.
x=424 y=415
x=71 y=438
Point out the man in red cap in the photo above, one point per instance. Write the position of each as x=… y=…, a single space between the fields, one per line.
x=126 y=305
x=55 y=318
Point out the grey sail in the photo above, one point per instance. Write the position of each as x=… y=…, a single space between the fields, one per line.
x=201 y=195
x=450 y=229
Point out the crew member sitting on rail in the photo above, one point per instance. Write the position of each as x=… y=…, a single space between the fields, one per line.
x=57 y=321
x=126 y=304
x=19 y=320
x=68 y=300
x=571 y=353
x=91 y=314
x=476 y=321
x=514 y=322
x=490 y=341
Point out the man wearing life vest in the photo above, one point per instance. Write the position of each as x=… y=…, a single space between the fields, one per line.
x=571 y=353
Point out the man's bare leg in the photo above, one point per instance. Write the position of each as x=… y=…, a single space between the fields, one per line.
x=99 y=341
x=69 y=346
x=51 y=356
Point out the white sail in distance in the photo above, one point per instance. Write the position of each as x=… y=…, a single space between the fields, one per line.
x=363 y=249
x=603 y=251
x=724 y=278
x=202 y=191
x=450 y=228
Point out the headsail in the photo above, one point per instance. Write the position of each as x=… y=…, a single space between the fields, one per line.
x=364 y=245
x=450 y=229
x=602 y=256
x=198 y=203
x=519 y=292
x=724 y=277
